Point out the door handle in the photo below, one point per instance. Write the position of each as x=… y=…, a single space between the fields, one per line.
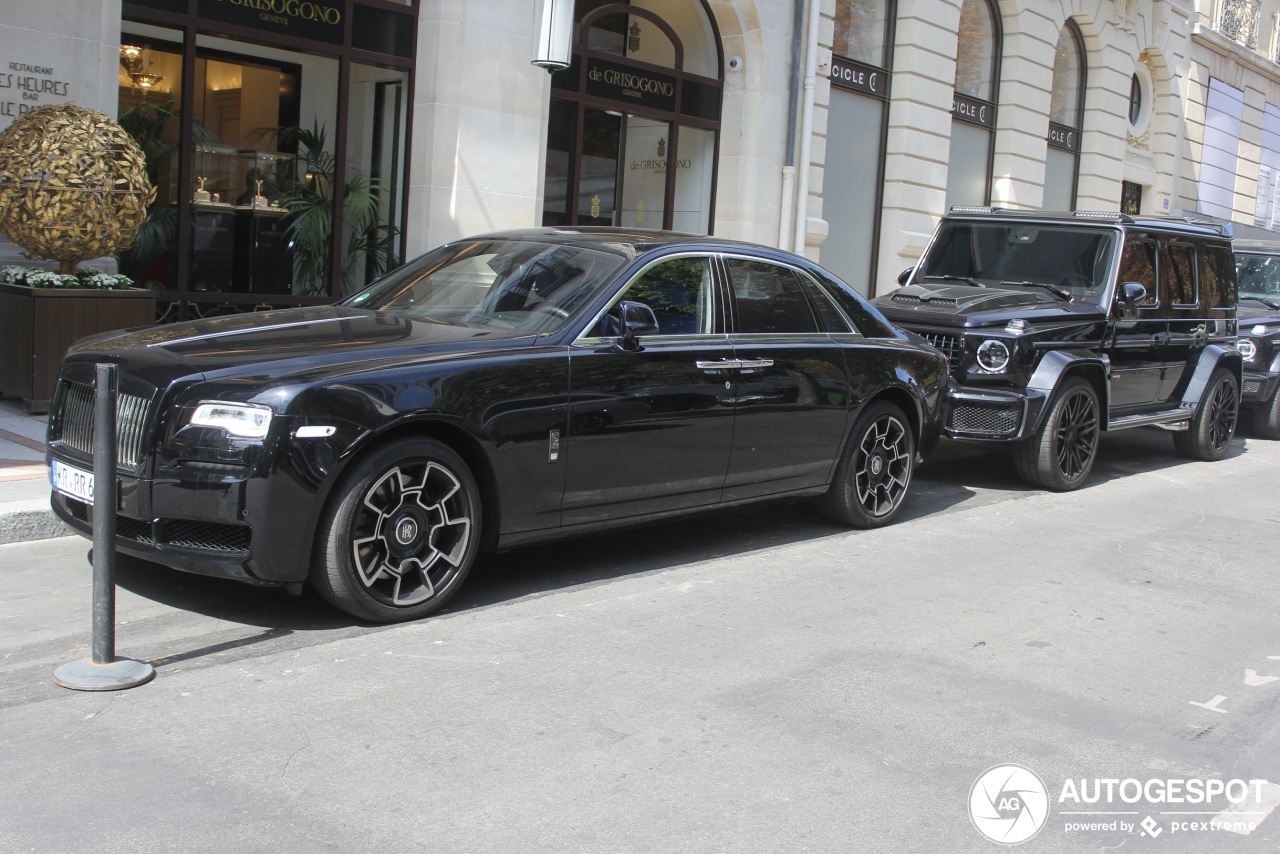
x=732 y=364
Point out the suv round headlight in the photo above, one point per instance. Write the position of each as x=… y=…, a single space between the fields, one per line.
x=993 y=356
x=1248 y=349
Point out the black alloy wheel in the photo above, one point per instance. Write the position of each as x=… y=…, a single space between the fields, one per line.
x=874 y=473
x=1060 y=456
x=1214 y=425
x=401 y=532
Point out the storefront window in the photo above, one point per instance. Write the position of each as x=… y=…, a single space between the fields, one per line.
x=1066 y=108
x=632 y=126
x=286 y=184
x=974 y=105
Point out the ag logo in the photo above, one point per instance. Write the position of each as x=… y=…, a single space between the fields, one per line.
x=1008 y=804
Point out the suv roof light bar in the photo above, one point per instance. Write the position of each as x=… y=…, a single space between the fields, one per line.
x=1110 y=216
x=974 y=209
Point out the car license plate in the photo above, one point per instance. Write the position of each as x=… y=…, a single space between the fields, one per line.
x=72 y=481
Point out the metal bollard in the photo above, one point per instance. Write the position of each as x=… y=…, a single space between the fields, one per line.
x=103 y=671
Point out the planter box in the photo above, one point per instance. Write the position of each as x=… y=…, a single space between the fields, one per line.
x=37 y=325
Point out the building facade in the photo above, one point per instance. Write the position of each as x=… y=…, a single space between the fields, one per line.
x=300 y=147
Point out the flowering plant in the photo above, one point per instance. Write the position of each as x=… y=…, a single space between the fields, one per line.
x=85 y=277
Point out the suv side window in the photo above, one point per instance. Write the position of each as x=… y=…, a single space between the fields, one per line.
x=769 y=298
x=1180 y=273
x=1218 y=272
x=679 y=292
x=1138 y=264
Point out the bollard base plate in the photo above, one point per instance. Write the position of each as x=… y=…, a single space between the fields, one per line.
x=86 y=675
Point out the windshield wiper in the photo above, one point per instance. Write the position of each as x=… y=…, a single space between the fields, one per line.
x=968 y=280
x=1053 y=289
x=1268 y=303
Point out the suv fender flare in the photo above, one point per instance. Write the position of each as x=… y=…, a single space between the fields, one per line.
x=1054 y=368
x=1211 y=358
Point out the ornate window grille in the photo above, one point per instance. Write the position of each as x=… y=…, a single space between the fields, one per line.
x=1238 y=21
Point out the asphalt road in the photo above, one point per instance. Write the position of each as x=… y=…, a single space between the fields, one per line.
x=743 y=681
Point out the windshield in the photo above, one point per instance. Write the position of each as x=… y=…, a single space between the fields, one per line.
x=1072 y=259
x=1258 y=276
x=523 y=285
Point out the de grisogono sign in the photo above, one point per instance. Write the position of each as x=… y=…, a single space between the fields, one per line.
x=308 y=19
x=618 y=82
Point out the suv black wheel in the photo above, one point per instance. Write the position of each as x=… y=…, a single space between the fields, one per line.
x=1061 y=455
x=400 y=533
x=873 y=474
x=1214 y=424
x=1265 y=417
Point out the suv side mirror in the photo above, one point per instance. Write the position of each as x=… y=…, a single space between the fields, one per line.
x=637 y=319
x=905 y=274
x=1131 y=294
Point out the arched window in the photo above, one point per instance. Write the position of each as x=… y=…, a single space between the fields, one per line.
x=634 y=121
x=1066 y=117
x=973 y=106
x=856 y=123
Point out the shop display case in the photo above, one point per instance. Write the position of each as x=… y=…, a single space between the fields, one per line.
x=263 y=262
x=212 y=217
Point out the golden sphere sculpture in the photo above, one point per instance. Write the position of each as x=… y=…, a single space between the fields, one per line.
x=73 y=185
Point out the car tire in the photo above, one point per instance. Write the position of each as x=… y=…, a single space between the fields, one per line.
x=1214 y=424
x=399 y=533
x=1060 y=456
x=1264 y=419
x=874 y=472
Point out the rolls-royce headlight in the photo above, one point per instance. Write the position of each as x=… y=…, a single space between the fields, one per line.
x=1248 y=349
x=993 y=356
x=242 y=420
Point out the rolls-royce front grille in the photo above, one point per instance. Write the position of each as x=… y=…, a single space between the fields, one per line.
x=77 y=430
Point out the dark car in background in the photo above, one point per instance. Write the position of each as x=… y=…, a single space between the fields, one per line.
x=1061 y=326
x=1258 y=276
x=501 y=390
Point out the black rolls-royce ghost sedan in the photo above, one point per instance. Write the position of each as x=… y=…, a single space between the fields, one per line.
x=500 y=390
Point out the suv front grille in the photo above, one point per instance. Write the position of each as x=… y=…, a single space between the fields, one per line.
x=952 y=346
x=76 y=420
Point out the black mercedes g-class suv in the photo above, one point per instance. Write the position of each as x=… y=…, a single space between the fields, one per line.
x=1058 y=326
x=1258 y=274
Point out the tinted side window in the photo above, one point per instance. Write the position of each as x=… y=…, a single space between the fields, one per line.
x=1180 y=273
x=832 y=319
x=1138 y=264
x=1218 y=273
x=769 y=298
x=679 y=292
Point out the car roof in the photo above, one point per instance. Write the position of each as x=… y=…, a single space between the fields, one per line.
x=625 y=240
x=1182 y=224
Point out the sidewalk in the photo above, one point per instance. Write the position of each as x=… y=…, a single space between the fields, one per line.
x=24 y=481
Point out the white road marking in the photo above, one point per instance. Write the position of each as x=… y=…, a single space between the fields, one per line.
x=1212 y=705
x=1251 y=677
x=1237 y=817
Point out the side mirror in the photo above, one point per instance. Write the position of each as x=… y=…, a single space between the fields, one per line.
x=1131 y=294
x=637 y=319
x=905 y=274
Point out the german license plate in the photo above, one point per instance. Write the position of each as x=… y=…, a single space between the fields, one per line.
x=72 y=481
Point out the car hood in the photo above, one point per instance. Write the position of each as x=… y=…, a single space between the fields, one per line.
x=1255 y=312
x=966 y=305
x=285 y=342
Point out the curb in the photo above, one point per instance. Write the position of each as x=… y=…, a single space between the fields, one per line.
x=23 y=521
